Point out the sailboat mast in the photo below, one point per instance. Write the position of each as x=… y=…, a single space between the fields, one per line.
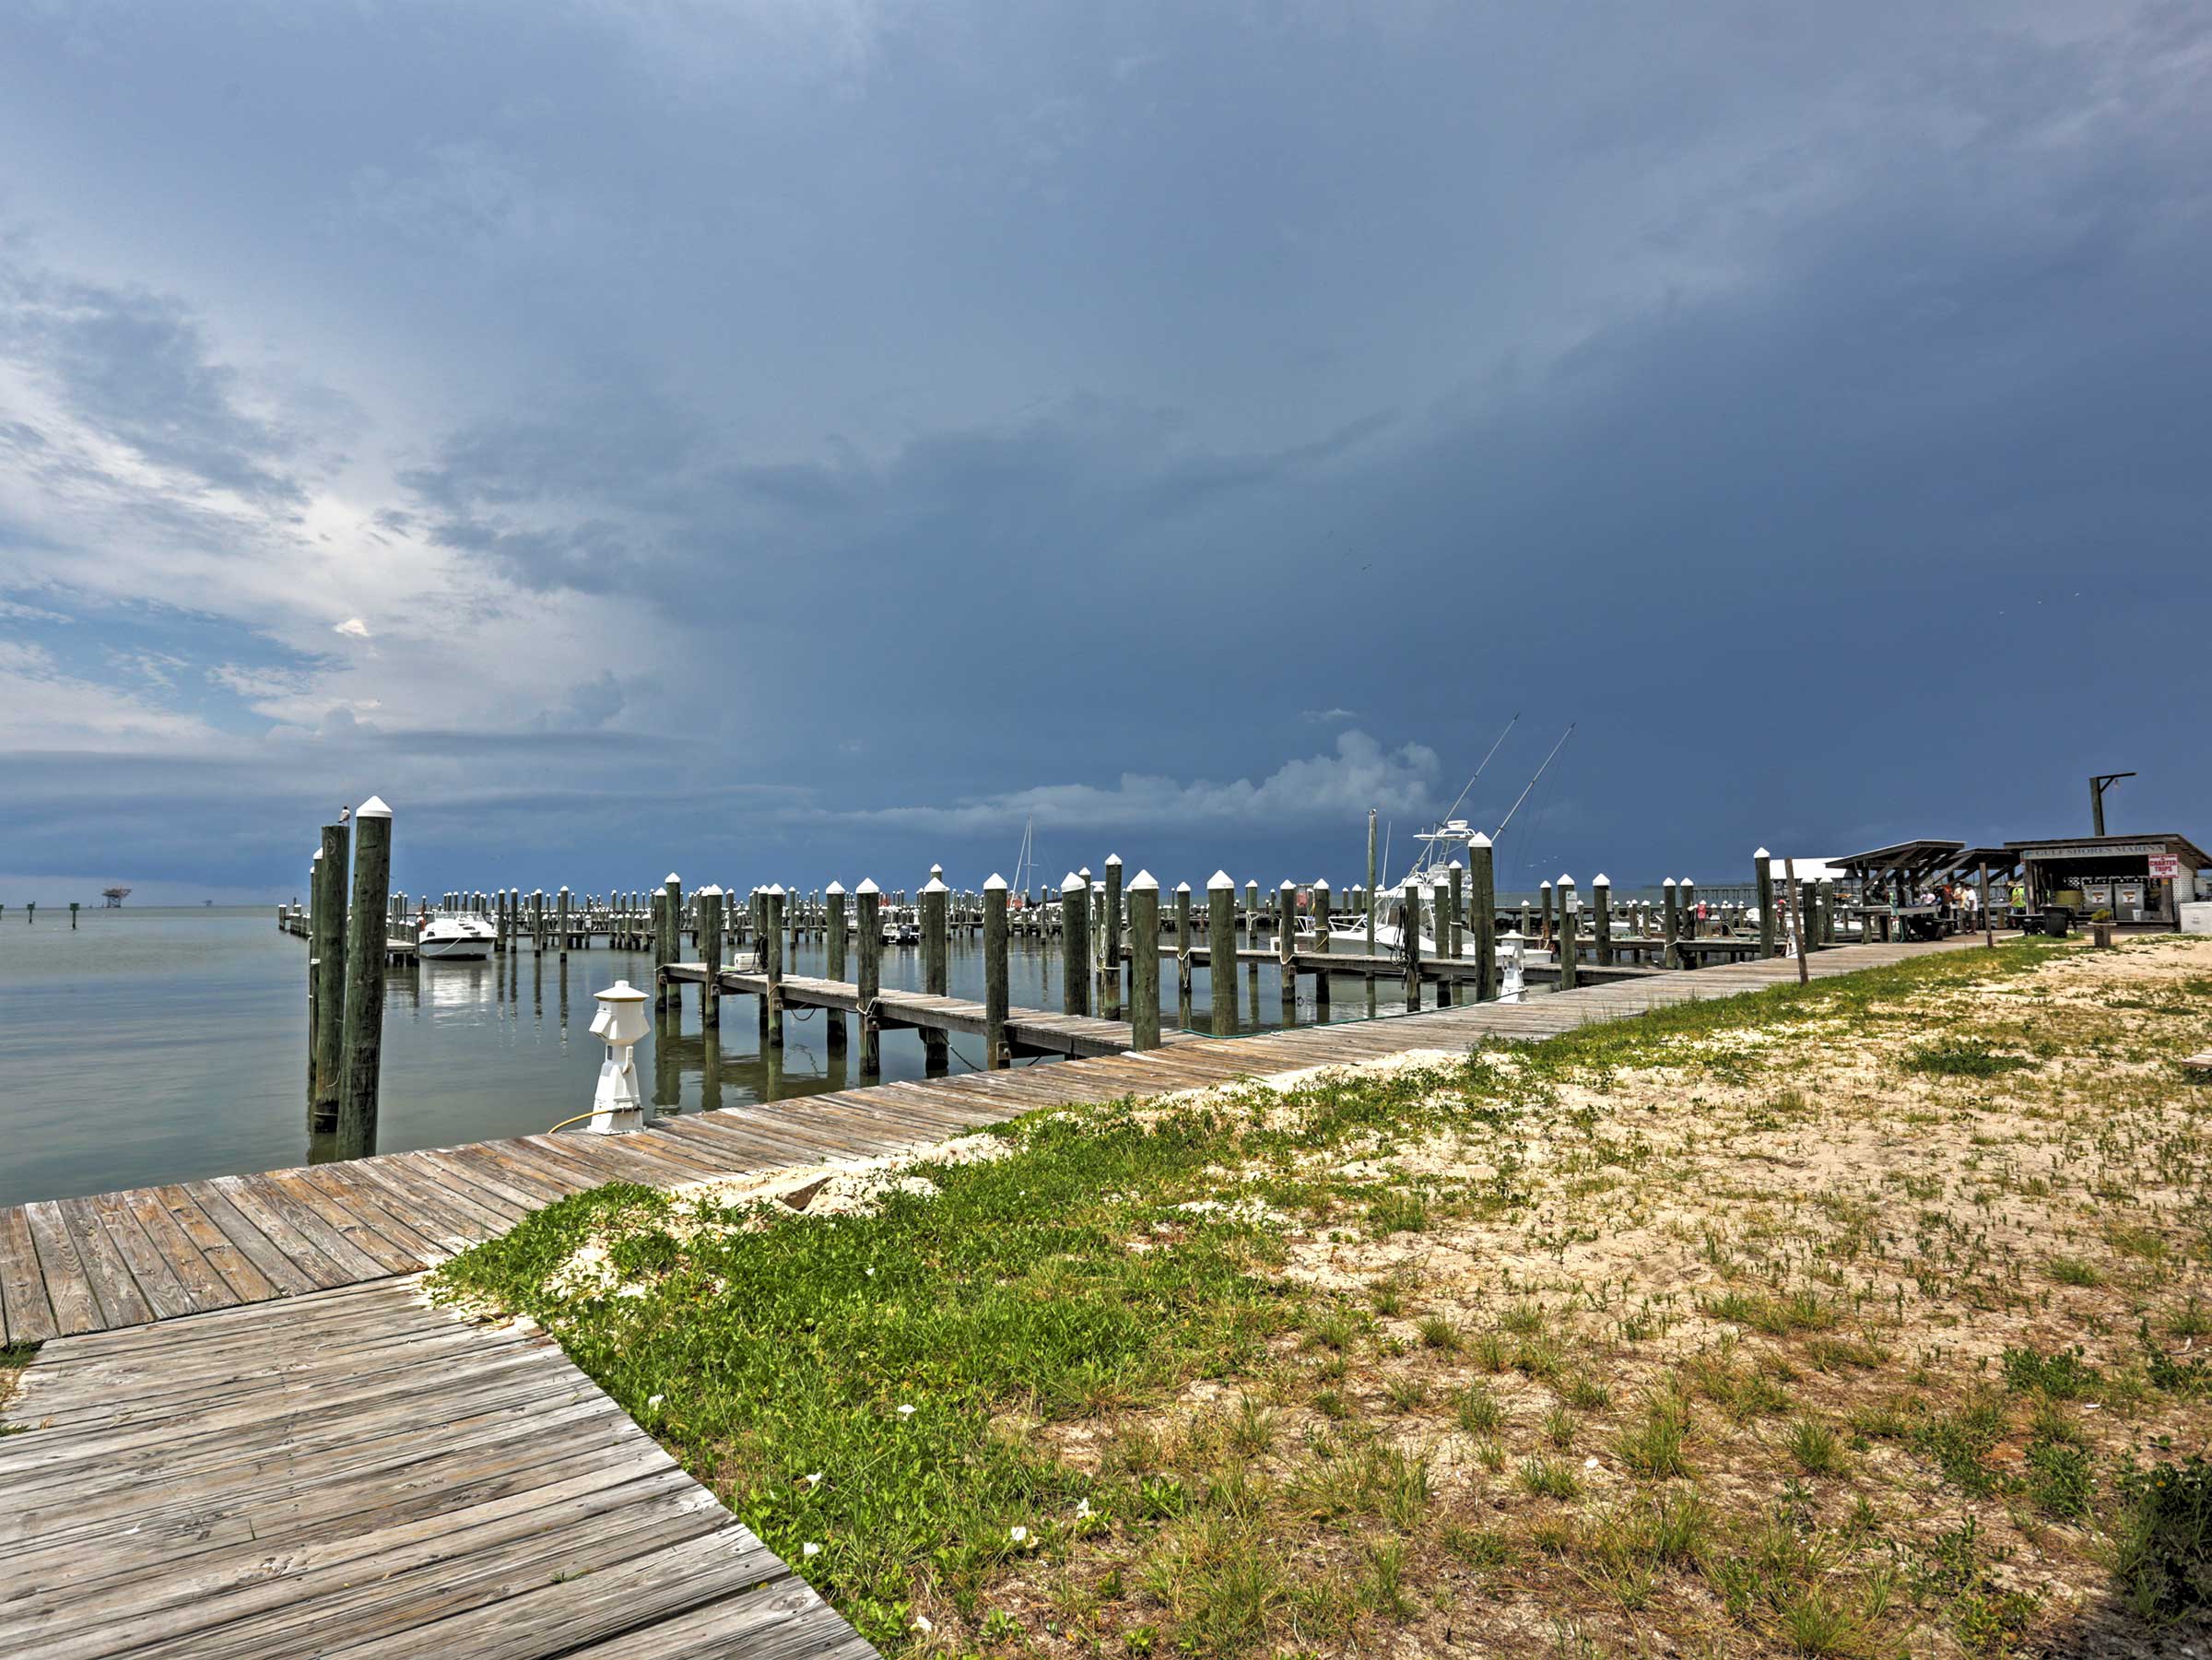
x=1370 y=881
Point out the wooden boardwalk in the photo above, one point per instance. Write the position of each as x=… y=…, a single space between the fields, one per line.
x=122 y=1259
x=354 y=1473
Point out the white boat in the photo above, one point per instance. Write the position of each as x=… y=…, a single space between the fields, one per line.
x=454 y=940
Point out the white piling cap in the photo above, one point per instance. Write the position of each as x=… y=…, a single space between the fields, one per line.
x=1566 y=881
x=1543 y=884
x=997 y=884
x=773 y=891
x=564 y=887
x=1114 y=858
x=935 y=883
x=709 y=890
x=1455 y=864
x=936 y=871
x=374 y=807
x=1478 y=840
x=1220 y=880
x=1182 y=888
x=318 y=856
x=1690 y=881
x=867 y=885
x=1601 y=880
x=675 y=878
x=835 y=889
x=1288 y=887
x=1668 y=883
x=1075 y=883
x=1143 y=881
x=1761 y=854
x=1321 y=881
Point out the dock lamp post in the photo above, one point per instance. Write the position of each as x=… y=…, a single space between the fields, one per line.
x=616 y=1108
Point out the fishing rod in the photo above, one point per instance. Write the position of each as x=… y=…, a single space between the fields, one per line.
x=1485 y=761
x=1532 y=783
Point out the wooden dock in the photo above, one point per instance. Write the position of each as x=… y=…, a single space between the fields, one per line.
x=1030 y=1032
x=356 y=1472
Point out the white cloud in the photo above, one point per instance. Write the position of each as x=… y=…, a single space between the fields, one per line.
x=1358 y=775
x=353 y=628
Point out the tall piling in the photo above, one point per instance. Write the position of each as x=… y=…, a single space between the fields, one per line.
x=1075 y=945
x=1144 y=961
x=1672 y=914
x=1567 y=947
x=1768 y=937
x=1482 y=901
x=1321 y=945
x=995 y=997
x=868 y=984
x=1601 y=919
x=936 y=967
x=1183 y=940
x=1409 y=935
x=772 y=940
x=329 y=956
x=710 y=948
x=1221 y=951
x=1109 y=940
x=367 y=936
x=833 y=953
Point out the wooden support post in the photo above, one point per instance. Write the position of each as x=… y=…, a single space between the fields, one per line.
x=996 y=1053
x=1286 y=947
x=1222 y=952
x=1763 y=864
x=936 y=966
x=1409 y=935
x=1566 y=934
x=710 y=948
x=1601 y=919
x=1144 y=960
x=1110 y=942
x=328 y=954
x=1366 y=894
x=1183 y=940
x=668 y=946
x=1075 y=945
x=1321 y=945
x=833 y=956
x=772 y=902
x=1545 y=922
x=1482 y=898
x=365 y=937
x=564 y=921
x=869 y=984
x=1688 y=892
x=1797 y=934
x=1451 y=935
x=1672 y=956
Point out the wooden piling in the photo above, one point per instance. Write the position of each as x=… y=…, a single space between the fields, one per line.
x=1075 y=945
x=1601 y=919
x=1545 y=907
x=1409 y=936
x=1482 y=900
x=1672 y=923
x=1144 y=960
x=869 y=981
x=710 y=948
x=366 y=938
x=1321 y=945
x=1566 y=934
x=935 y=968
x=1182 y=941
x=772 y=939
x=328 y=953
x=1110 y=941
x=563 y=925
x=996 y=996
x=833 y=953
x=1764 y=867
x=1221 y=951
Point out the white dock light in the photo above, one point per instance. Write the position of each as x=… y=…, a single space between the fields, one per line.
x=621 y=1022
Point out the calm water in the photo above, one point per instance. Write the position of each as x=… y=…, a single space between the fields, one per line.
x=153 y=1045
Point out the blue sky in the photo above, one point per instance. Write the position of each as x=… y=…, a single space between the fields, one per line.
x=783 y=440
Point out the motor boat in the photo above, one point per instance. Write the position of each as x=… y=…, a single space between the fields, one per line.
x=454 y=940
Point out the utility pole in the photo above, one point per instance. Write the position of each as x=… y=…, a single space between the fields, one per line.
x=2099 y=783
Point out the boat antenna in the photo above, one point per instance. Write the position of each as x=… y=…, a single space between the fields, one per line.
x=1532 y=783
x=1485 y=761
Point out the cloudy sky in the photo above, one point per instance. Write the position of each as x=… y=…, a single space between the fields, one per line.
x=781 y=439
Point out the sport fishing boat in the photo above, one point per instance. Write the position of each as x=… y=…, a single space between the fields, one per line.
x=454 y=940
